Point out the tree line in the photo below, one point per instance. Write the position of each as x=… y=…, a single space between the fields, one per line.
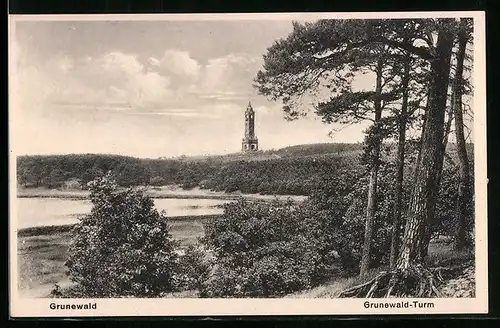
x=297 y=173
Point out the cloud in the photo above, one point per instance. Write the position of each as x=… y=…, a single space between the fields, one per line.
x=153 y=61
x=221 y=80
x=114 y=77
x=231 y=74
x=131 y=82
x=223 y=96
x=270 y=110
x=178 y=63
x=120 y=62
x=123 y=81
x=31 y=84
x=65 y=64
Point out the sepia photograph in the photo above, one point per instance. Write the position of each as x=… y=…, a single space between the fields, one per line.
x=247 y=164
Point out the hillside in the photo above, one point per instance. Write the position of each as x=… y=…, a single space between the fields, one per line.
x=294 y=170
x=306 y=150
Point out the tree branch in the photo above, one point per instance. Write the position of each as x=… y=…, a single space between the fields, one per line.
x=421 y=52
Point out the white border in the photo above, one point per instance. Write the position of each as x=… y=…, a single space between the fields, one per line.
x=248 y=16
x=22 y=307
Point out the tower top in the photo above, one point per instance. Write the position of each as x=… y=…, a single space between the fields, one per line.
x=249 y=107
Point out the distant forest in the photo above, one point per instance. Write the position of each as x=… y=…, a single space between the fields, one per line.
x=295 y=170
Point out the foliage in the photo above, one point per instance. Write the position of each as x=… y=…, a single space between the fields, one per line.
x=123 y=247
x=157 y=181
x=51 y=171
x=294 y=176
x=269 y=250
x=194 y=268
x=323 y=58
x=273 y=249
x=446 y=211
x=344 y=197
x=315 y=149
x=294 y=171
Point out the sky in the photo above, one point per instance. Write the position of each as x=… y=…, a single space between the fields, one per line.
x=149 y=89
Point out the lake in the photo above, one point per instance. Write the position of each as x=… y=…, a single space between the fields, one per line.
x=36 y=212
x=42 y=255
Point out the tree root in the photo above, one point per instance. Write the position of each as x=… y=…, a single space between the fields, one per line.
x=414 y=282
x=444 y=273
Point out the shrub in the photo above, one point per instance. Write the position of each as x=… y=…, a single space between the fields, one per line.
x=446 y=207
x=446 y=203
x=123 y=247
x=269 y=250
x=353 y=226
x=194 y=268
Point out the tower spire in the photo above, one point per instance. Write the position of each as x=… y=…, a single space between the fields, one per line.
x=250 y=141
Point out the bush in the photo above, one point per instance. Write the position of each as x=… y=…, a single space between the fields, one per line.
x=123 y=247
x=353 y=226
x=269 y=250
x=446 y=204
x=337 y=204
x=446 y=207
x=194 y=268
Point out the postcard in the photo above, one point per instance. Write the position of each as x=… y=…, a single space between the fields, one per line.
x=247 y=164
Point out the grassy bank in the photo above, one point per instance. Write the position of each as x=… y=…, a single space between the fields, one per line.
x=41 y=258
x=440 y=254
x=42 y=252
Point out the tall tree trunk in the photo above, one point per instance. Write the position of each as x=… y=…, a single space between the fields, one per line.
x=446 y=136
x=423 y=200
x=419 y=156
x=464 y=187
x=424 y=120
x=372 y=187
x=398 y=189
x=428 y=236
x=447 y=130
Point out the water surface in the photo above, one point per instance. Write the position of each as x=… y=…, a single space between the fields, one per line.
x=36 y=212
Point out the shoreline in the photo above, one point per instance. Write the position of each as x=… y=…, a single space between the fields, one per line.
x=159 y=194
x=51 y=229
x=85 y=196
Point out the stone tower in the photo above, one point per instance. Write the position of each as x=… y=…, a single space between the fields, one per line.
x=250 y=141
